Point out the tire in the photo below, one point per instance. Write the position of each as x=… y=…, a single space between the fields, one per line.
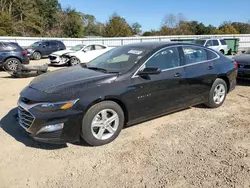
x=37 y=55
x=74 y=61
x=12 y=64
x=217 y=94
x=90 y=130
x=222 y=51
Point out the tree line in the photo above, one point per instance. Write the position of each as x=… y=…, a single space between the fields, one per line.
x=46 y=18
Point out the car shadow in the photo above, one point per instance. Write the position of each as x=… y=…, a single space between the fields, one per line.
x=10 y=125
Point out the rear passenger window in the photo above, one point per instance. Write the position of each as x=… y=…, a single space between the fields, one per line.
x=215 y=43
x=194 y=54
x=53 y=43
x=99 y=47
x=223 y=42
x=1 y=47
x=165 y=59
x=211 y=55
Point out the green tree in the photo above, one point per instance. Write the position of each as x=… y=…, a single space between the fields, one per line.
x=243 y=28
x=136 y=28
x=91 y=26
x=73 y=25
x=117 y=27
x=227 y=29
x=6 y=24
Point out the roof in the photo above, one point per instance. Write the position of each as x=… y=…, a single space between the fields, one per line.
x=153 y=45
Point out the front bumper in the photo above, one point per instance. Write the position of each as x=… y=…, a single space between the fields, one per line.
x=32 y=120
x=58 y=60
x=243 y=73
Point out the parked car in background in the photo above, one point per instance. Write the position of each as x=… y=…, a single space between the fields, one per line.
x=12 y=55
x=219 y=45
x=243 y=61
x=126 y=85
x=78 y=54
x=44 y=48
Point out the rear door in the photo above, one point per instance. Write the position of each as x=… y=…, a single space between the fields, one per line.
x=54 y=46
x=216 y=45
x=156 y=94
x=2 y=53
x=200 y=72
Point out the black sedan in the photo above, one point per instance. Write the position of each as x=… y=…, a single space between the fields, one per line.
x=243 y=62
x=127 y=85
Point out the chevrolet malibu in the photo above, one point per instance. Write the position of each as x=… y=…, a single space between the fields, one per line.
x=124 y=86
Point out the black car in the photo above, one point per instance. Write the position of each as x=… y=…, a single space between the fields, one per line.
x=124 y=86
x=243 y=62
x=44 y=48
x=12 y=55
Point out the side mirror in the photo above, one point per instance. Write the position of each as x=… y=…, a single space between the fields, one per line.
x=149 y=71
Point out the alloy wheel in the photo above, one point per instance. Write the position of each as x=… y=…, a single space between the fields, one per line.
x=105 y=124
x=12 y=65
x=219 y=93
x=37 y=55
x=74 y=61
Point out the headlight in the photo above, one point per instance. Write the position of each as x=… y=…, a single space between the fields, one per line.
x=45 y=107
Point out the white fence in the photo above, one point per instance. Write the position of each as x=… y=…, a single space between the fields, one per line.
x=26 y=41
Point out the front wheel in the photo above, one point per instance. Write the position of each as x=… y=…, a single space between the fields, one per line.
x=217 y=94
x=102 y=123
x=74 y=61
x=37 y=55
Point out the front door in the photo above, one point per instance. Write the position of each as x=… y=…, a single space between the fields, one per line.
x=155 y=94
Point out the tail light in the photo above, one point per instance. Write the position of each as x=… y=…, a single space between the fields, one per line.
x=235 y=64
x=24 y=52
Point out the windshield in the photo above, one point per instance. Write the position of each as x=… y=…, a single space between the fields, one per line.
x=119 y=59
x=77 y=47
x=200 y=42
x=36 y=44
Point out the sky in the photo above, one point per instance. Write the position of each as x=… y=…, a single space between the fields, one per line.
x=150 y=13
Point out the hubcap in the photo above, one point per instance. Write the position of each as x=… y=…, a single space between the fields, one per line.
x=75 y=61
x=105 y=124
x=12 y=65
x=37 y=55
x=219 y=93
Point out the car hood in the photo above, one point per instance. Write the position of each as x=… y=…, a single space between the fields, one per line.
x=244 y=59
x=61 y=52
x=69 y=80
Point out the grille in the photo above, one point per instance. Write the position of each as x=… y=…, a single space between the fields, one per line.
x=52 y=57
x=25 y=118
x=244 y=66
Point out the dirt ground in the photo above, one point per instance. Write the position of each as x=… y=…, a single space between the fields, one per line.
x=197 y=147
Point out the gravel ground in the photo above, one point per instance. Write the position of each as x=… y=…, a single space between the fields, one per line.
x=197 y=147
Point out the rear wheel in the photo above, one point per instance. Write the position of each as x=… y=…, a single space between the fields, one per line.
x=37 y=55
x=102 y=123
x=222 y=51
x=217 y=94
x=12 y=64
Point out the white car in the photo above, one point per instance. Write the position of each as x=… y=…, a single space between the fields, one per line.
x=78 y=54
x=219 y=45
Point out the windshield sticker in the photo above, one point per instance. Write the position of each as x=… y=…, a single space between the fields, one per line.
x=136 y=52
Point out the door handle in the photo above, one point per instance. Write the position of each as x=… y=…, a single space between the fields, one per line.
x=210 y=68
x=177 y=74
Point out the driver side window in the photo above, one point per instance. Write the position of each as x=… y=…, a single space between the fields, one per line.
x=165 y=59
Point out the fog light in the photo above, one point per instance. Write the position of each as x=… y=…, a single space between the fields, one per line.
x=51 y=128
